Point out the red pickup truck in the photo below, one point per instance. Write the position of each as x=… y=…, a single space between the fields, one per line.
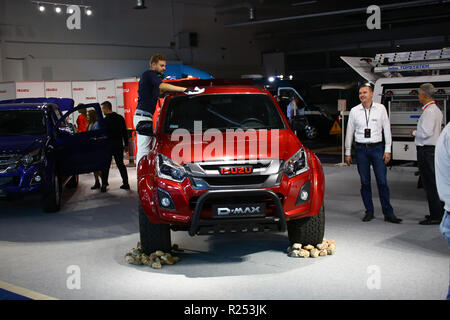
x=226 y=161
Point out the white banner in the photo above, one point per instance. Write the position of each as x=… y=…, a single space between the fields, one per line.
x=30 y=89
x=84 y=92
x=58 y=89
x=7 y=91
x=106 y=91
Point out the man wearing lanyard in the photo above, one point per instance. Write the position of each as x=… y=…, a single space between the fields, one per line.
x=426 y=136
x=442 y=165
x=150 y=88
x=367 y=122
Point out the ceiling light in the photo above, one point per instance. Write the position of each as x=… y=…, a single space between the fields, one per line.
x=140 y=4
x=88 y=11
x=41 y=8
x=69 y=10
x=58 y=9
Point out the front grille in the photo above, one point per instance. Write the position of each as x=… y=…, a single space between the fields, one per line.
x=258 y=165
x=7 y=160
x=234 y=181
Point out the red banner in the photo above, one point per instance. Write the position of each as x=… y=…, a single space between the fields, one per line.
x=130 y=98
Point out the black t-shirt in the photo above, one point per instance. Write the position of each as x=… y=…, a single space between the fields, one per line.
x=117 y=130
x=148 y=91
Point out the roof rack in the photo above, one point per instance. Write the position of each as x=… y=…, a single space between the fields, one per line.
x=424 y=60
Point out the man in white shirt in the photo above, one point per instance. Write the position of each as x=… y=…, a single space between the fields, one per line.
x=442 y=165
x=426 y=136
x=366 y=123
x=292 y=109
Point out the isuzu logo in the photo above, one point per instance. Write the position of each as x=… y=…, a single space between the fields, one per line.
x=236 y=170
x=238 y=210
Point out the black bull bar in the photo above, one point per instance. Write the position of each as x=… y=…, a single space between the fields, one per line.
x=210 y=226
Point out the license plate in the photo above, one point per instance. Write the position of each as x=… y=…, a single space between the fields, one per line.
x=239 y=210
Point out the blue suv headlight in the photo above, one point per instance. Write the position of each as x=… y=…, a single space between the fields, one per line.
x=33 y=157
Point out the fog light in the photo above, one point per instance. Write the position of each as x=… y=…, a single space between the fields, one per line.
x=165 y=202
x=304 y=195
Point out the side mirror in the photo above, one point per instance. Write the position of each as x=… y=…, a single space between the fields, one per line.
x=145 y=128
x=65 y=131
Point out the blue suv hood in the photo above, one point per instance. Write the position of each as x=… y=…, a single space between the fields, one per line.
x=20 y=145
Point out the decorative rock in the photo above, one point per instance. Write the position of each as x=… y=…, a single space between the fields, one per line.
x=156 y=265
x=322 y=245
x=159 y=253
x=167 y=259
x=325 y=248
x=304 y=253
x=131 y=260
x=294 y=253
x=135 y=252
x=314 y=253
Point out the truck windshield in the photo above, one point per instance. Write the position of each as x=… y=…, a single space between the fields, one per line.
x=22 y=122
x=221 y=112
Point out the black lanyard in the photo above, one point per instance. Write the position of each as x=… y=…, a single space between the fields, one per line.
x=367 y=118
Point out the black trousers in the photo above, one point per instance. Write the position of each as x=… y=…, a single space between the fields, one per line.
x=425 y=159
x=117 y=153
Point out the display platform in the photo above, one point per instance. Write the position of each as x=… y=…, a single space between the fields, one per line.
x=79 y=252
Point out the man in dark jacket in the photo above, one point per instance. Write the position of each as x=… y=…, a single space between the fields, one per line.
x=117 y=139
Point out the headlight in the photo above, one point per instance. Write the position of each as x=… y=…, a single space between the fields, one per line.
x=296 y=164
x=168 y=169
x=33 y=157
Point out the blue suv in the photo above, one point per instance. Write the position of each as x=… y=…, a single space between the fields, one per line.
x=41 y=152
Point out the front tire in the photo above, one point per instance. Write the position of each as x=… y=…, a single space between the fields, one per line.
x=309 y=230
x=51 y=200
x=153 y=236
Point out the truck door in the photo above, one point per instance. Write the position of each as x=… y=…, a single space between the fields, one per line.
x=84 y=151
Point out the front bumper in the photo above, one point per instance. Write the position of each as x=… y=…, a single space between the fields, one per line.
x=210 y=226
x=190 y=208
x=21 y=180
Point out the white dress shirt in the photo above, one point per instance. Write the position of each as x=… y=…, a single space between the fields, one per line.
x=291 y=109
x=429 y=125
x=376 y=119
x=442 y=166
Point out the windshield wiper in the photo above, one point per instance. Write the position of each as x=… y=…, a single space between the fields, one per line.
x=224 y=118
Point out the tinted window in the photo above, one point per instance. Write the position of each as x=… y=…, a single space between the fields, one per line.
x=22 y=122
x=227 y=111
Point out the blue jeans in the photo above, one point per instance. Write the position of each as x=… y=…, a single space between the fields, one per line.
x=373 y=156
x=445 y=230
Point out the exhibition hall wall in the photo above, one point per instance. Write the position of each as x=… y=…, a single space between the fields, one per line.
x=117 y=41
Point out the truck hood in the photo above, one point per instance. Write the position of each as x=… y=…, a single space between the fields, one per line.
x=270 y=144
x=20 y=145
